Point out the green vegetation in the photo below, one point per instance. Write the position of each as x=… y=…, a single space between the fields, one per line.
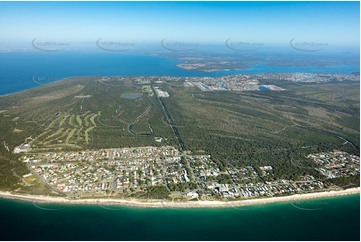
x=182 y=186
x=236 y=129
x=268 y=128
x=158 y=192
x=346 y=182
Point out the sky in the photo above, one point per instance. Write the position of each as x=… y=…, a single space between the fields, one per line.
x=335 y=23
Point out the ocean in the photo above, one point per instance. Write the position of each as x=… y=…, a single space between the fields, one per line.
x=18 y=70
x=335 y=218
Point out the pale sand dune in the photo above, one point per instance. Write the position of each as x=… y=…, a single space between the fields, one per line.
x=192 y=204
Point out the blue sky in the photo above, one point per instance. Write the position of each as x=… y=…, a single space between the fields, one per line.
x=336 y=23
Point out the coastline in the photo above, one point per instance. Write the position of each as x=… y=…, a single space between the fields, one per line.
x=167 y=204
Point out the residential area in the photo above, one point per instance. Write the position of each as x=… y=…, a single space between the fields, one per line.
x=251 y=82
x=129 y=171
x=336 y=164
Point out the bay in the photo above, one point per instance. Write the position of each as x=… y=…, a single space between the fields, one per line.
x=25 y=70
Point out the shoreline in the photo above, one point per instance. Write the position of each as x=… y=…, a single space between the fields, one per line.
x=168 y=204
x=168 y=75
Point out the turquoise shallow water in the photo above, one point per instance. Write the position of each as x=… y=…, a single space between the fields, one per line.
x=335 y=218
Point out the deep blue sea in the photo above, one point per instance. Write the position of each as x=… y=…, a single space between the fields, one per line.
x=336 y=218
x=18 y=69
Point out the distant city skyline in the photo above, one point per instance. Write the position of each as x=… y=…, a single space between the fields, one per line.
x=334 y=23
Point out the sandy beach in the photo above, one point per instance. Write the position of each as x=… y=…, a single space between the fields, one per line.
x=191 y=204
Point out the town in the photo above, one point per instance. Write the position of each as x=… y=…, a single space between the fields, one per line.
x=126 y=172
x=251 y=82
x=337 y=164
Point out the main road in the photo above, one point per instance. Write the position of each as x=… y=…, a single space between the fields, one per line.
x=170 y=120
